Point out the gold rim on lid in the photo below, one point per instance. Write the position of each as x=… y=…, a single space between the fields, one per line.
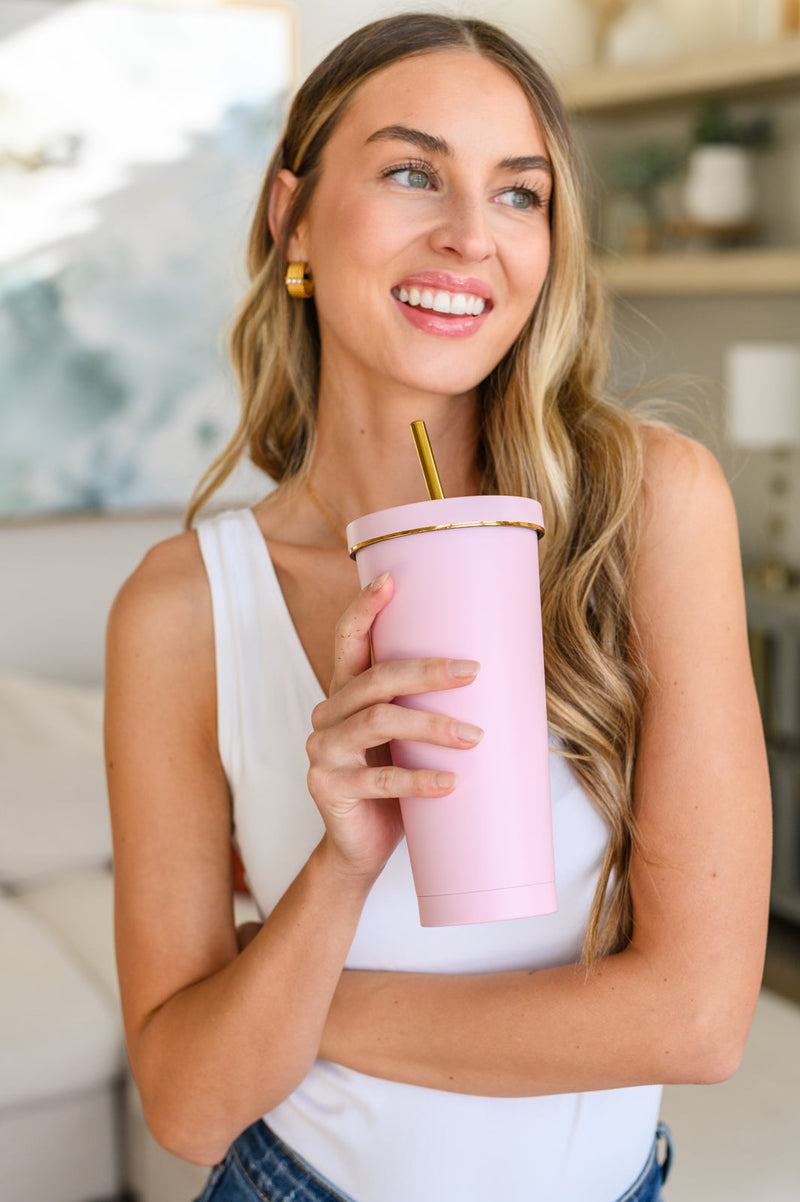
x=381 y=538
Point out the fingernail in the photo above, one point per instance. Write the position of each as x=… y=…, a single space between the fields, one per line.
x=379 y=582
x=463 y=667
x=468 y=733
x=446 y=780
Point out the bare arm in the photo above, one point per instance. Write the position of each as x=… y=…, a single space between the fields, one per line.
x=676 y=1005
x=216 y=1036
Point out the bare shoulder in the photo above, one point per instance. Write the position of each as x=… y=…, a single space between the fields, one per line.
x=165 y=603
x=689 y=561
x=161 y=620
x=683 y=483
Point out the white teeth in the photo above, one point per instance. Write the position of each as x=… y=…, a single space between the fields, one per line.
x=455 y=303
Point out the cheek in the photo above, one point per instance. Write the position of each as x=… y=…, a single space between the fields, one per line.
x=349 y=231
x=533 y=274
x=529 y=273
x=540 y=261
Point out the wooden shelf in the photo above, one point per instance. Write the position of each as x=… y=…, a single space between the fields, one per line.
x=737 y=71
x=742 y=272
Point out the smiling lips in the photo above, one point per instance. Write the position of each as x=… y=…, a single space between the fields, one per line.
x=444 y=305
x=455 y=303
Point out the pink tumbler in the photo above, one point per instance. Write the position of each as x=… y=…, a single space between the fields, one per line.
x=466 y=586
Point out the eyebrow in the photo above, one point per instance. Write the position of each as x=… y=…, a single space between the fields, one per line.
x=434 y=145
x=527 y=162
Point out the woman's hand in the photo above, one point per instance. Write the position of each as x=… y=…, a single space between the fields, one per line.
x=351 y=776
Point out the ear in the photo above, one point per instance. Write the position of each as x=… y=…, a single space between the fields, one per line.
x=280 y=202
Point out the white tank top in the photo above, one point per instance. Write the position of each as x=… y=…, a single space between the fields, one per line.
x=379 y=1141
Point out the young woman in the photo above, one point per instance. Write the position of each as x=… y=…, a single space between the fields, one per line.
x=425 y=195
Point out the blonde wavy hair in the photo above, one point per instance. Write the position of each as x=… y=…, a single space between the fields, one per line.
x=547 y=431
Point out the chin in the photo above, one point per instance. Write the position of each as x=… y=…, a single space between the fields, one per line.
x=441 y=387
x=443 y=378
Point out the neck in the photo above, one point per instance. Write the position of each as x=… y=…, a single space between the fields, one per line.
x=365 y=458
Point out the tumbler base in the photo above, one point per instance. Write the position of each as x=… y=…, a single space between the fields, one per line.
x=491 y=905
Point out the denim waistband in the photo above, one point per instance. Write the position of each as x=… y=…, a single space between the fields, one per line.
x=260 y=1167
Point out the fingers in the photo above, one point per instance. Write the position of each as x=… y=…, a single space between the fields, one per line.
x=338 y=774
x=384 y=682
x=340 y=790
x=362 y=714
x=352 y=647
x=379 y=724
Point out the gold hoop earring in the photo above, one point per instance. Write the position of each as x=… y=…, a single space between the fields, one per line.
x=298 y=284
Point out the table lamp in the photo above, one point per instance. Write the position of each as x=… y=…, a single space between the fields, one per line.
x=763 y=385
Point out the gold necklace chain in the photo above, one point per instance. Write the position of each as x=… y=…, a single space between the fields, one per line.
x=325 y=513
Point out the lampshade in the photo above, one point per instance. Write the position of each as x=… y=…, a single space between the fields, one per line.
x=763 y=383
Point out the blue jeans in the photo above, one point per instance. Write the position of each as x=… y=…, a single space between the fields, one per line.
x=259 y=1167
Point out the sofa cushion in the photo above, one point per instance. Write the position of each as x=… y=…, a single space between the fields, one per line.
x=59 y=1032
x=53 y=807
x=78 y=909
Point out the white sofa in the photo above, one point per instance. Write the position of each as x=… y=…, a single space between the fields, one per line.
x=71 y=1128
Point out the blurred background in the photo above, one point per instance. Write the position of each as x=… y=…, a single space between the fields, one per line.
x=133 y=138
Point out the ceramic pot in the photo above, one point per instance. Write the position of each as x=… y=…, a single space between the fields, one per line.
x=719 y=186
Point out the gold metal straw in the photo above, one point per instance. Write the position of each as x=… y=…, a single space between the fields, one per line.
x=427 y=461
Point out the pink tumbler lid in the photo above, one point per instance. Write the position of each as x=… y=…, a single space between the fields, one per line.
x=452 y=513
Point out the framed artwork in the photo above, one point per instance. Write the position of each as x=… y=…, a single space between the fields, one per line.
x=134 y=135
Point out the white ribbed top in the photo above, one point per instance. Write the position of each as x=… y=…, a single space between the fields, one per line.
x=379 y=1141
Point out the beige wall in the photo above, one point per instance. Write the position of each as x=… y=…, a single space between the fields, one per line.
x=559 y=30
x=57 y=582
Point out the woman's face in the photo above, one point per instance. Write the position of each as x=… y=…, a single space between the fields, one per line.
x=428 y=234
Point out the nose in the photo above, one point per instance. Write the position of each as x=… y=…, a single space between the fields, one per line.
x=464 y=229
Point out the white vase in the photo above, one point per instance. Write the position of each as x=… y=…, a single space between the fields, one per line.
x=719 y=186
x=640 y=35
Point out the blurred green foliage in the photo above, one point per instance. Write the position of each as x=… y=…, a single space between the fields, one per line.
x=715 y=126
